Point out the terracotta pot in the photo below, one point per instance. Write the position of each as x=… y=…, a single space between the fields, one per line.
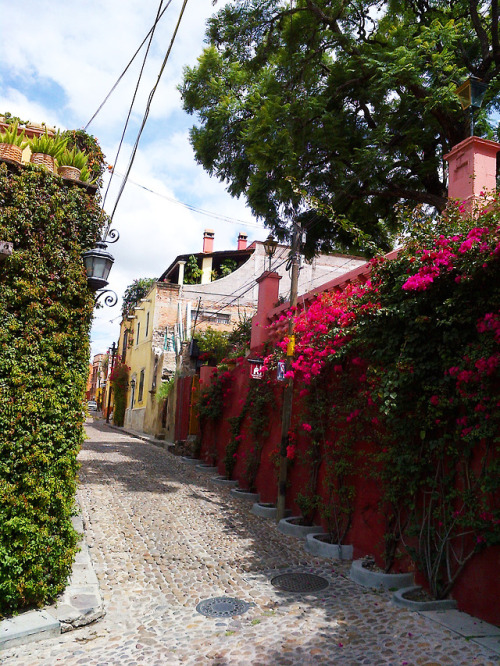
x=10 y=152
x=69 y=172
x=44 y=160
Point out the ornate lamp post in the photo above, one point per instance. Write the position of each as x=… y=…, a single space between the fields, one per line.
x=111 y=366
x=98 y=262
x=471 y=95
x=270 y=245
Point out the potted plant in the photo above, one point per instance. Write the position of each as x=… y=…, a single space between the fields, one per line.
x=46 y=149
x=86 y=177
x=71 y=163
x=12 y=143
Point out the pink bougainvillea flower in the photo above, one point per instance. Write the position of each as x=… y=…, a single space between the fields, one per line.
x=307 y=427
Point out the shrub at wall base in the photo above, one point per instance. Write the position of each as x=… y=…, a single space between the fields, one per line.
x=45 y=316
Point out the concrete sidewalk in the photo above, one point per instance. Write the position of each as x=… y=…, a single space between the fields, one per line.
x=80 y=604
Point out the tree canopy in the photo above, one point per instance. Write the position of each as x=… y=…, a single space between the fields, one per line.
x=334 y=111
x=134 y=292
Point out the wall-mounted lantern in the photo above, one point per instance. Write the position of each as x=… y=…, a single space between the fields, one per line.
x=471 y=94
x=98 y=263
x=270 y=245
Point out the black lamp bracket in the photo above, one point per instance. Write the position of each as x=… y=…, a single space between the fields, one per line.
x=110 y=300
x=111 y=236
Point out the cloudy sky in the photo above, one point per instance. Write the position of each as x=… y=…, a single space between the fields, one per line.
x=58 y=61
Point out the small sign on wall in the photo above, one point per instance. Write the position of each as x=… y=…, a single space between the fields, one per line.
x=256 y=371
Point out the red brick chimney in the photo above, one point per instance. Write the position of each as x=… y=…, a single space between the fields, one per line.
x=208 y=241
x=472 y=169
x=242 y=241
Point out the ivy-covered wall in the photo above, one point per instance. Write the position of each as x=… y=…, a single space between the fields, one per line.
x=45 y=317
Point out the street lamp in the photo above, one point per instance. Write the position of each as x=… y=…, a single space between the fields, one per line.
x=471 y=94
x=98 y=263
x=113 y=350
x=270 y=245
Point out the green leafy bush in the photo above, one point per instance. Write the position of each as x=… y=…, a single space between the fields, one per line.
x=45 y=315
x=134 y=292
x=119 y=382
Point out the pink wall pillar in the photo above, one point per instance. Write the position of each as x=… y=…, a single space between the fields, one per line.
x=472 y=169
x=268 y=296
x=206 y=374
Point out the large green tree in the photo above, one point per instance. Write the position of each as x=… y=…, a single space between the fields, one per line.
x=334 y=111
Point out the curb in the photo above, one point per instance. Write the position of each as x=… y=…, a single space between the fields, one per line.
x=162 y=443
x=80 y=604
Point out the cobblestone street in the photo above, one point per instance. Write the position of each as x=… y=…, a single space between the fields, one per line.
x=164 y=536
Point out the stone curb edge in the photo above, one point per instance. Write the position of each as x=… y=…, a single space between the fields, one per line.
x=80 y=604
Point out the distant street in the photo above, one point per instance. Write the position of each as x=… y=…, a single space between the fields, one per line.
x=163 y=537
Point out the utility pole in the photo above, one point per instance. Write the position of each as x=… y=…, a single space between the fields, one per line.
x=286 y=417
x=110 y=370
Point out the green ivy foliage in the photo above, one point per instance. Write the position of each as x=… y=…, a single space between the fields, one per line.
x=45 y=316
x=134 y=292
x=119 y=382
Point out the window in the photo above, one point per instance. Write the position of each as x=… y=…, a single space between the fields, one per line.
x=169 y=341
x=125 y=342
x=214 y=317
x=147 y=325
x=138 y=332
x=141 y=386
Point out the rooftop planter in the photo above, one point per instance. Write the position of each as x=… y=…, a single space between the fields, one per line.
x=46 y=149
x=71 y=163
x=12 y=144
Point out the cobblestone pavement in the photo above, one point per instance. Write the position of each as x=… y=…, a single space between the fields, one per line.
x=164 y=536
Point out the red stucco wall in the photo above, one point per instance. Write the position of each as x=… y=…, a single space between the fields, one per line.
x=479 y=585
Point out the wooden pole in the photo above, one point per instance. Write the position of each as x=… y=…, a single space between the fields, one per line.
x=286 y=417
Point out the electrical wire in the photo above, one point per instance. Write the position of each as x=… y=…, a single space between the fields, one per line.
x=151 y=33
x=127 y=67
x=195 y=209
x=146 y=113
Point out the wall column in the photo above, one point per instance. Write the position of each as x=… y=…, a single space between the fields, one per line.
x=472 y=170
x=268 y=296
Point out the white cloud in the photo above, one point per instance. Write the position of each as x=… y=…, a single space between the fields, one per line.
x=58 y=61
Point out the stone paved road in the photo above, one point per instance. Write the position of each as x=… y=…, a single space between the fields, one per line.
x=164 y=536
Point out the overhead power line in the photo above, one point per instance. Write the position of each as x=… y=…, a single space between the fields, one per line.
x=146 y=113
x=152 y=29
x=129 y=113
x=195 y=209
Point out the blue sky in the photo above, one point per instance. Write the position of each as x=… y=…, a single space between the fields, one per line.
x=59 y=59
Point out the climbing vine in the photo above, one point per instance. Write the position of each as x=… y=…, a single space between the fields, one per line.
x=45 y=315
x=119 y=381
x=412 y=360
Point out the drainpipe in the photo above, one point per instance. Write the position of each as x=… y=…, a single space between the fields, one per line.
x=180 y=279
x=188 y=321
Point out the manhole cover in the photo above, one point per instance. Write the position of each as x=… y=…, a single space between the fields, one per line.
x=299 y=582
x=222 y=607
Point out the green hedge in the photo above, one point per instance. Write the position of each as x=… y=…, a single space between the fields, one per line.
x=45 y=317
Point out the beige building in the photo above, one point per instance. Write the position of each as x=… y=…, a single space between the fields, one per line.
x=154 y=338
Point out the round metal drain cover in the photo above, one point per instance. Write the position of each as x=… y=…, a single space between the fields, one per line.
x=222 y=607
x=299 y=582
